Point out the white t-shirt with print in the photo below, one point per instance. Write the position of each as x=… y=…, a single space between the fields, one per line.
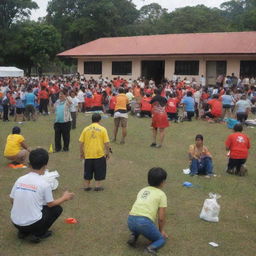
x=29 y=193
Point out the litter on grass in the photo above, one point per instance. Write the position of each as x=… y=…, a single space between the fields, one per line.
x=186 y=171
x=213 y=244
x=187 y=184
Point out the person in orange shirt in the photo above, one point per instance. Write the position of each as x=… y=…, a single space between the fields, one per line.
x=238 y=145
x=121 y=115
x=43 y=96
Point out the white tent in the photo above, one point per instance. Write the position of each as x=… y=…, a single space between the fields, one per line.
x=11 y=72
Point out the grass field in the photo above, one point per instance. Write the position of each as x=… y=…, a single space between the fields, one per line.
x=102 y=228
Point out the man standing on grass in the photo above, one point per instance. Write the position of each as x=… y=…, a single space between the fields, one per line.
x=121 y=115
x=94 y=149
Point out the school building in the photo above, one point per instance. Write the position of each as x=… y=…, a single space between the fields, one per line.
x=168 y=56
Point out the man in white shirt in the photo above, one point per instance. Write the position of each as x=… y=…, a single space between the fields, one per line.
x=33 y=208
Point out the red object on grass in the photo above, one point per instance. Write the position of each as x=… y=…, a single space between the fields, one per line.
x=71 y=221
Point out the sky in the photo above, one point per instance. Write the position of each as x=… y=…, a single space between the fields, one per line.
x=168 y=4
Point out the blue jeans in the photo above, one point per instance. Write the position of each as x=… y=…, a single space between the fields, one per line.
x=202 y=166
x=140 y=225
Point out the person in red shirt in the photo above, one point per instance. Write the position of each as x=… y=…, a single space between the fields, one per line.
x=112 y=104
x=88 y=101
x=215 y=107
x=146 y=106
x=43 y=97
x=97 y=102
x=238 y=144
x=159 y=118
x=171 y=107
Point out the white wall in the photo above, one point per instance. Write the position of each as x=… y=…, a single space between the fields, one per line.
x=233 y=65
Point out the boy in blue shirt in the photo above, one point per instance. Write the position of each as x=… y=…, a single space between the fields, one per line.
x=189 y=104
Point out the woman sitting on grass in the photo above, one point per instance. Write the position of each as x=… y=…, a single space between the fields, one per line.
x=200 y=158
x=15 y=149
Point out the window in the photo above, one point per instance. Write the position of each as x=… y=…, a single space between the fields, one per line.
x=187 y=67
x=93 y=67
x=121 y=68
x=248 y=68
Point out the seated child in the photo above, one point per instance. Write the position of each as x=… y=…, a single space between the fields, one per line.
x=200 y=158
x=151 y=202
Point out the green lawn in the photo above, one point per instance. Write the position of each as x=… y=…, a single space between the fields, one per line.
x=102 y=228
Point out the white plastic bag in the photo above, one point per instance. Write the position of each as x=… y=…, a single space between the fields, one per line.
x=211 y=208
x=50 y=177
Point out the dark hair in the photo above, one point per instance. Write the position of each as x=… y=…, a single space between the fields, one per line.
x=96 y=117
x=16 y=130
x=189 y=94
x=38 y=158
x=121 y=90
x=215 y=96
x=199 y=136
x=238 y=128
x=156 y=176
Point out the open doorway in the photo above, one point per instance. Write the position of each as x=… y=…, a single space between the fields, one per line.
x=153 y=70
x=214 y=69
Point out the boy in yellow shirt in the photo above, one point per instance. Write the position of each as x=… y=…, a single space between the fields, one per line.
x=15 y=149
x=94 y=149
x=151 y=202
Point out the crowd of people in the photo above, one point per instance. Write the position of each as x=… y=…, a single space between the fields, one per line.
x=177 y=100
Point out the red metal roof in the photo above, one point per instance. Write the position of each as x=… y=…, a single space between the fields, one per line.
x=169 y=44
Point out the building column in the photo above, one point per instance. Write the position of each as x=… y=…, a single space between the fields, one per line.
x=233 y=66
x=106 y=68
x=80 y=66
x=202 y=67
x=169 y=68
x=136 y=69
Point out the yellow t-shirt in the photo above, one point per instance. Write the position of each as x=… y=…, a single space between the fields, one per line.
x=13 y=144
x=121 y=102
x=94 y=137
x=148 y=201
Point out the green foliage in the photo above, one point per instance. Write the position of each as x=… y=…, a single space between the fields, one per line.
x=197 y=19
x=80 y=21
x=34 y=44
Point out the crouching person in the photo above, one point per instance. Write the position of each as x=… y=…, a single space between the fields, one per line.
x=33 y=208
x=15 y=149
x=238 y=145
x=151 y=202
x=200 y=158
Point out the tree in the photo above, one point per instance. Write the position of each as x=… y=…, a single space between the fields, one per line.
x=197 y=19
x=80 y=21
x=33 y=44
x=241 y=14
x=151 y=13
x=12 y=11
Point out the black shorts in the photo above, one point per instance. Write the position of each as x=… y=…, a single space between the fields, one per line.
x=97 y=108
x=96 y=168
x=20 y=111
x=226 y=106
